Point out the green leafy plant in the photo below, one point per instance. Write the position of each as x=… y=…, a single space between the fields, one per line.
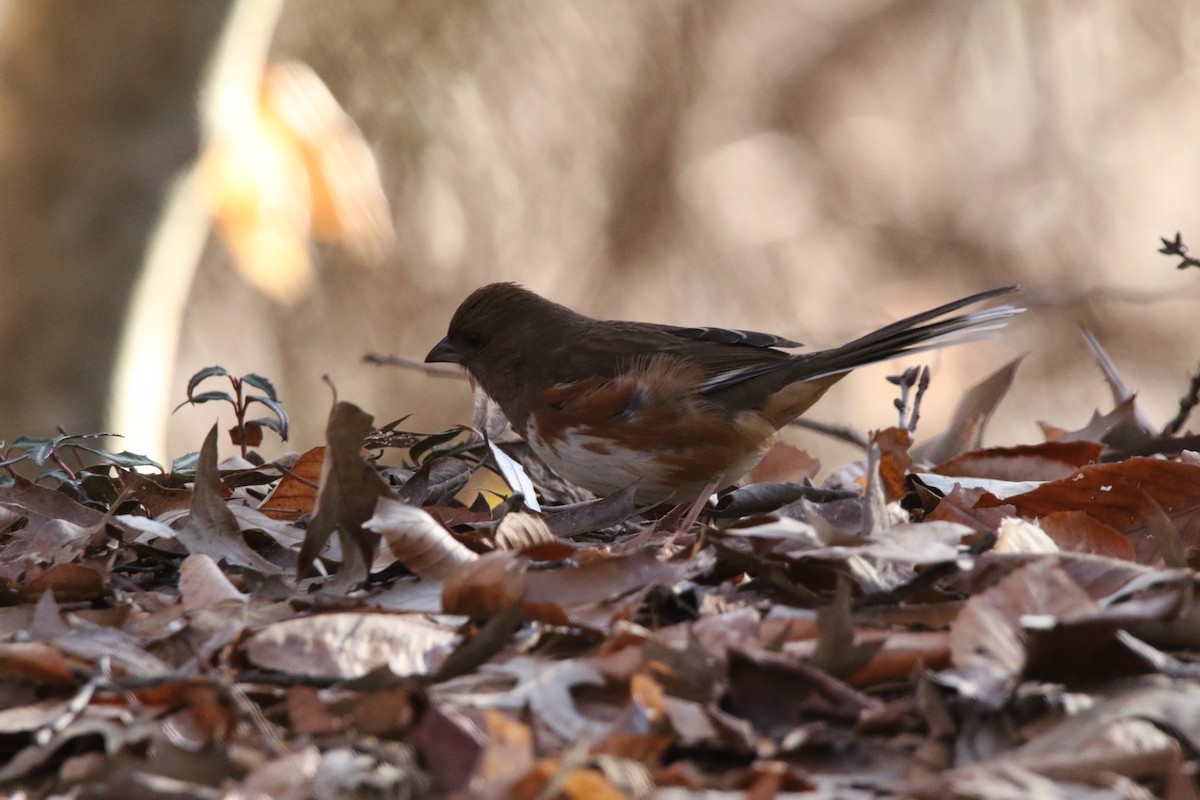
x=61 y=458
x=246 y=433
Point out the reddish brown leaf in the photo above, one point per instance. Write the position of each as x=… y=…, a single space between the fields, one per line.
x=1078 y=532
x=309 y=714
x=296 y=493
x=36 y=661
x=894 y=460
x=483 y=587
x=154 y=497
x=508 y=756
x=784 y=463
x=1114 y=494
x=71 y=583
x=1049 y=461
x=962 y=506
x=588 y=592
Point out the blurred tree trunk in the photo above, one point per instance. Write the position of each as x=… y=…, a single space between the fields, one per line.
x=97 y=115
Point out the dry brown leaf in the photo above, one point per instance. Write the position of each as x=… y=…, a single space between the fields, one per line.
x=286 y=777
x=545 y=687
x=1114 y=494
x=836 y=651
x=784 y=463
x=1049 y=461
x=522 y=531
x=203 y=585
x=1078 y=532
x=570 y=783
x=212 y=529
x=894 y=460
x=987 y=640
x=70 y=583
x=40 y=662
x=594 y=593
x=483 y=587
x=346 y=500
x=961 y=506
x=417 y=540
x=296 y=493
x=777 y=693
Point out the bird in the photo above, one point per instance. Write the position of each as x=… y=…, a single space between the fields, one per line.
x=674 y=412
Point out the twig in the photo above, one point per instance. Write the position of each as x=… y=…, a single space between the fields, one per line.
x=1186 y=404
x=913 y=376
x=1178 y=249
x=436 y=370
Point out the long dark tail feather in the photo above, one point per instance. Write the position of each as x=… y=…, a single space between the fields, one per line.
x=914 y=334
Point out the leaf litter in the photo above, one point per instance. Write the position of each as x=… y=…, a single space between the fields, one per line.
x=439 y=616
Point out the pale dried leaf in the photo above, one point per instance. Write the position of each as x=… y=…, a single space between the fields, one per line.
x=347 y=645
x=514 y=475
x=522 y=531
x=203 y=585
x=417 y=540
x=1019 y=536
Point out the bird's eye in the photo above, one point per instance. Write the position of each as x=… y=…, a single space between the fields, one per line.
x=473 y=340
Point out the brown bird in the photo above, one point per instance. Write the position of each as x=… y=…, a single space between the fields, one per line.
x=675 y=412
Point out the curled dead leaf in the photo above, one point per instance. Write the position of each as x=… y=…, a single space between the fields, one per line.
x=417 y=540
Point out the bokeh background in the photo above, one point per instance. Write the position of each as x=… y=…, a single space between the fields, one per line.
x=812 y=168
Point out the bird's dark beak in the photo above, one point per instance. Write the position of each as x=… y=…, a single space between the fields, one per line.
x=443 y=352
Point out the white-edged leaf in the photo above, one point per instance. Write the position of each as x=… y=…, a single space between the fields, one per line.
x=514 y=475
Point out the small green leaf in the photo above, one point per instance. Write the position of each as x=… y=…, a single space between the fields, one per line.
x=68 y=438
x=57 y=474
x=99 y=488
x=207 y=372
x=121 y=459
x=259 y=382
x=186 y=462
x=38 y=450
x=276 y=408
x=204 y=397
x=272 y=423
x=426 y=446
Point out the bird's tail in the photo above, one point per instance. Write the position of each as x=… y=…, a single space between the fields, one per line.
x=801 y=382
x=915 y=334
